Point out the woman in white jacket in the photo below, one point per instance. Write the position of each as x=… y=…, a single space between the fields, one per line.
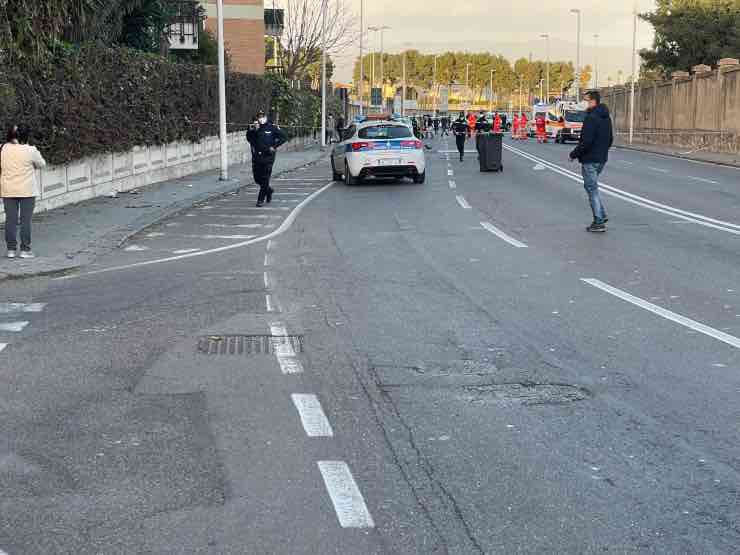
x=19 y=188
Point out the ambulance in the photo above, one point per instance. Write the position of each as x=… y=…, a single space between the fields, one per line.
x=564 y=120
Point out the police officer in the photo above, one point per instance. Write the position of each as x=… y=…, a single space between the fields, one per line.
x=265 y=139
x=460 y=130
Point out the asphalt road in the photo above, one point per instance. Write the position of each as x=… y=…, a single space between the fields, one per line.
x=468 y=371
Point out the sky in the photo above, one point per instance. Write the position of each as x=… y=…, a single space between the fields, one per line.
x=511 y=28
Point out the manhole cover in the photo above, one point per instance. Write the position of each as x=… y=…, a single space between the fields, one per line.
x=248 y=344
x=526 y=393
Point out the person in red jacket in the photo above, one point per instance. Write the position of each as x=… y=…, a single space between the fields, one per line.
x=541 y=128
x=523 y=127
x=471 y=124
x=515 y=127
x=497 y=124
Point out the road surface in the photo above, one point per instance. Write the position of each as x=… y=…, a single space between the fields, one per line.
x=459 y=368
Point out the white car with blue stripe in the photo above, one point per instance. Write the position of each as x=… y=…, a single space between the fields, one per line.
x=378 y=149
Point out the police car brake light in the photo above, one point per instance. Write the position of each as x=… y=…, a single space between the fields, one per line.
x=417 y=144
x=360 y=146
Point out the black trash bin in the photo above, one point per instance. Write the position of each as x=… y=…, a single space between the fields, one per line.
x=490 y=151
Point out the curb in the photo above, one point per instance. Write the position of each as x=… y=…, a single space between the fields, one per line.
x=679 y=156
x=119 y=237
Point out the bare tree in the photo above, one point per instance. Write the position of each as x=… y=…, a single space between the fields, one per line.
x=301 y=41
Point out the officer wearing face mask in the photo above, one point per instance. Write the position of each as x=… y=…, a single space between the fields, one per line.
x=265 y=139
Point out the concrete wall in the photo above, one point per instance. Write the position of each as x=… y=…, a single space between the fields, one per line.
x=142 y=166
x=701 y=111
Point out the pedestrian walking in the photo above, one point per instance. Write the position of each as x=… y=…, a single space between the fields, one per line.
x=515 y=127
x=471 y=124
x=497 y=123
x=593 y=152
x=523 y=130
x=329 y=129
x=435 y=124
x=460 y=130
x=339 y=128
x=445 y=126
x=541 y=126
x=264 y=138
x=19 y=188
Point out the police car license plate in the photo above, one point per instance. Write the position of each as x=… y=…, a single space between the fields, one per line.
x=389 y=162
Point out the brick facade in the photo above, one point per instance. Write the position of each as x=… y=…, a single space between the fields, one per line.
x=244 y=33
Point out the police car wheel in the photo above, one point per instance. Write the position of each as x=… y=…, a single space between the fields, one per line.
x=334 y=175
x=420 y=177
x=348 y=179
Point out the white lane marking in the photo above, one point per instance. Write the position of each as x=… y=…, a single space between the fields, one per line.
x=268 y=280
x=9 y=308
x=270 y=245
x=453 y=185
x=636 y=199
x=154 y=234
x=661 y=170
x=313 y=418
x=348 y=502
x=184 y=251
x=462 y=202
x=269 y=260
x=667 y=314
x=501 y=235
x=291 y=194
x=538 y=167
x=625 y=162
x=2 y=348
x=242 y=216
x=704 y=180
x=12 y=326
x=136 y=248
x=219 y=236
x=450 y=172
x=238 y=226
x=287 y=223
x=269 y=304
x=286 y=357
x=204 y=207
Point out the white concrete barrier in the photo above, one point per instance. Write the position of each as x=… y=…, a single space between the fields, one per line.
x=143 y=165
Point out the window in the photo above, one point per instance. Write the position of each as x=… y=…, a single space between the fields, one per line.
x=575 y=116
x=385 y=132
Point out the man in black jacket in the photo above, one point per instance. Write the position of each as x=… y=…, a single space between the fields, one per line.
x=460 y=130
x=593 y=152
x=265 y=139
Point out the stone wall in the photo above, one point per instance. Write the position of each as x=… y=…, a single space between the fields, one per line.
x=698 y=111
x=142 y=166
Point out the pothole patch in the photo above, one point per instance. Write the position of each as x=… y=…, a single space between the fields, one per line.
x=525 y=393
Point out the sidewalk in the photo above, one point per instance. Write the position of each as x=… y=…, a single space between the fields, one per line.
x=73 y=236
x=677 y=152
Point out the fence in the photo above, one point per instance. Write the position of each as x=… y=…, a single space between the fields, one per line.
x=698 y=112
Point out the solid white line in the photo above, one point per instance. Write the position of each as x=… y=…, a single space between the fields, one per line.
x=184 y=251
x=12 y=326
x=287 y=223
x=704 y=180
x=636 y=199
x=453 y=185
x=501 y=235
x=3 y=346
x=313 y=418
x=348 y=502
x=660 y=311
x=462 y=202
x=9 y=308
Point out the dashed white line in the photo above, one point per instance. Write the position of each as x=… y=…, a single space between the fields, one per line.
x=287 y=359
x=240 y=237
x=312 y=415
x=667 y=314
x=2 y=348
x=462 y=202
x=450 y=172
x=268 y=280
x=12 y=326
x=661 y=170
x=9 y=308
x=501 y=235
x=238 y=226
x=184 y=251
x=453 y=185
x=268 y=259
x=704 y=180
x=346 y=497
x=136 y=248
x=270 y=245
x=269 y=304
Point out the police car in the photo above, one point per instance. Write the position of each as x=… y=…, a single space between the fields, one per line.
x=378 y=149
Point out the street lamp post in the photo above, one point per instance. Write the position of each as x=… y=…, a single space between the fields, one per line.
x=578 y=55
x=323 y=73
x=490 y=99
x=224 y=173
x=634 y=74
x=403 y=88
x=381 y=28
x=467 y=84
x=547 y=72
x=362 y=65
x=596 y=62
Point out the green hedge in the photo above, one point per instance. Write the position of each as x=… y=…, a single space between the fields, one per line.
x=93 y=99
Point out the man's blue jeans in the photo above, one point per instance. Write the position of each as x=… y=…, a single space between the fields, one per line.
x=590 y=174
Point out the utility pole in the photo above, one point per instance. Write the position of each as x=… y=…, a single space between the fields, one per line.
x=323 y=73
x=434 y=84
x=490 y=103
x=578 y=55
x=224 y=174
x=547 y=48
x=596 y=62
x=403 y=90
x=634 y=74
x=521 y=80
x=467 y=86
x=362 y=65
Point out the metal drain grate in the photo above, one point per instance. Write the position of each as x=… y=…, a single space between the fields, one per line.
x=247 y=344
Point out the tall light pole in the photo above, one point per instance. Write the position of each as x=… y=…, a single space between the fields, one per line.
x=224 y=174
x=323 y=73
x=634 y=73
x=521 y=80
x=578 y=55
x=596 y=62
x=362 y=64
x=403 y=89
x=547 y=73
x=467 y=85
x=490 y=103
x=382 y=28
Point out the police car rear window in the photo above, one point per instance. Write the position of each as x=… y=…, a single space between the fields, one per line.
x=384 y=132
x=575 y=116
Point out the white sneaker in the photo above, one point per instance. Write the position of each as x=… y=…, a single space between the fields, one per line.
x=11 y=254
x=27 y=254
